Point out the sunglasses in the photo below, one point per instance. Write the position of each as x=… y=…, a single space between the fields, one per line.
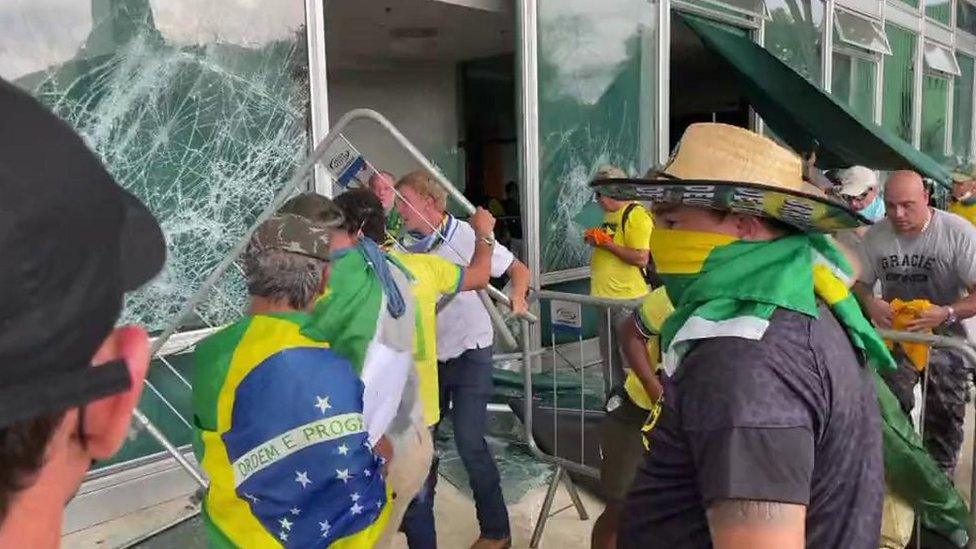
x=858 y=197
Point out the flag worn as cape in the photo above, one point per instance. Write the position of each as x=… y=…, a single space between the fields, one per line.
x=281 y=434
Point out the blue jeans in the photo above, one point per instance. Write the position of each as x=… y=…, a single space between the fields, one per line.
x=466 y=387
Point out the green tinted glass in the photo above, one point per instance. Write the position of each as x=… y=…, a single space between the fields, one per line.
x=896 y=113
x=962 y=109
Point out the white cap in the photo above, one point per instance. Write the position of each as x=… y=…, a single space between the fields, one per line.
x=856 y=180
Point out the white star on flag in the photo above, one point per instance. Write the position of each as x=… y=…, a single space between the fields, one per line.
x=296 y=511
x=343 y=475
x=301 y=477
x=379 y=504
x=356 y=509
x=252 y=498
x=285 y=524
x=367 y=473
x=325 y=526
x=343 y=450
x=354 y=496
x=322 y=404
x=283 y=535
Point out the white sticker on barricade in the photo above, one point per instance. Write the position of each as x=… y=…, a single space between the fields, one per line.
x=346 y=164
x=566 y=317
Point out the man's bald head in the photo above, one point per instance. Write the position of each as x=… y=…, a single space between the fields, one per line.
x=906 y=202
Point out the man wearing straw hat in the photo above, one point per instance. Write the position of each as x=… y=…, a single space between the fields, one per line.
x=769 y=434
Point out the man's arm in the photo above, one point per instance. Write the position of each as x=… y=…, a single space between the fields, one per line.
x=632 y=256
x=478 y=272
x=936 y=315
x=519 y=275
x=750 y=524
x=634 y=347
x=878 y=309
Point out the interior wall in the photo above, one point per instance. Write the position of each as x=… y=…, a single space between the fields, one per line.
x=420 y=101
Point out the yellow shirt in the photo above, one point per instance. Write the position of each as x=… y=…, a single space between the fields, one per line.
x=655 y=308
x=967 y=212
x=611 y=276
x=433 y=277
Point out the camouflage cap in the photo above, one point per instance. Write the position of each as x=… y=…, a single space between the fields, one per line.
x=292 y=233
x=316 y=207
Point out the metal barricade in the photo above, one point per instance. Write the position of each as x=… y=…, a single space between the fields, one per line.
x=579 y=465
x=566 y=460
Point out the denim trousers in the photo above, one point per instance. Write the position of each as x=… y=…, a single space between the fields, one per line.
x=465 y=390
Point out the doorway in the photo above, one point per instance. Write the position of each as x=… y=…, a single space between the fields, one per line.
x=701 y=88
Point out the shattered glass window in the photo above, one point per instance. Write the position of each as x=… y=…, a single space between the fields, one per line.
x=197 y=108
x=596 y=104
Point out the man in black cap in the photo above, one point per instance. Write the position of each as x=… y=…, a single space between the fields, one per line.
x=73 y=242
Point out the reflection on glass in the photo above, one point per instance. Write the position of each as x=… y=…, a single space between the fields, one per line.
x=595 y=107
x=793 y=34
x=939 y=10
x=962 y=111
x=860 y=32
x=195 y=108
x=935 y=110
x=198 y=108
x=853 y=82
x=896 y=114
x=966 y=17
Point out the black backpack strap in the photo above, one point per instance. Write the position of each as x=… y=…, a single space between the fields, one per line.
x=626 y=215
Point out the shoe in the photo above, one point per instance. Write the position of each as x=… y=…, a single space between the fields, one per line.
x=488 y=543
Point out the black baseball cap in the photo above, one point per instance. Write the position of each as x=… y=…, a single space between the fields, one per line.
x=72 y=242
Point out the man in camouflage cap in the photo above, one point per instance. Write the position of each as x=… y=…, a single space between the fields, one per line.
x=262 y=391
x=294 y=234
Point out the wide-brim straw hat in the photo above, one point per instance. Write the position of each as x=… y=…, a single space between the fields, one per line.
x=729 y=168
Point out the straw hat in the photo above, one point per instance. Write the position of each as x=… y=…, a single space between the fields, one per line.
x=730 y=168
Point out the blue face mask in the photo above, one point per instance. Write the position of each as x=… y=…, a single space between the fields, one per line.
x=875 y=211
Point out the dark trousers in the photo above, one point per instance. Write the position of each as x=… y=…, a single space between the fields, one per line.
x=945 y=404
x=418 y=521
x=466 y=387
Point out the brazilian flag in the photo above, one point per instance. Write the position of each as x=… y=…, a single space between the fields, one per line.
x=281 y=434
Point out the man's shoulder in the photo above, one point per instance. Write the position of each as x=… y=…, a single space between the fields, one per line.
x=785 y=343
x=880 y=230
x=956 y=225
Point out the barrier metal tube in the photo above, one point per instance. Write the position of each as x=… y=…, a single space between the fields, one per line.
x=527 y=416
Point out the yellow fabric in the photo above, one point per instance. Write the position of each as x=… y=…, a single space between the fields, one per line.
x=610 y=275
x=229 y=513
x=897 y=522
x=655 y=308
x=433 y=277
x=827 y=286
x=966 y=212
x=681 y=252
x=904 y=313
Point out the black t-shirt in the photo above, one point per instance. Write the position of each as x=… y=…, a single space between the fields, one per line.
x=792 y=418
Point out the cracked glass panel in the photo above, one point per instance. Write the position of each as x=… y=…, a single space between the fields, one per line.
x=596 y=104
x=197 y=108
